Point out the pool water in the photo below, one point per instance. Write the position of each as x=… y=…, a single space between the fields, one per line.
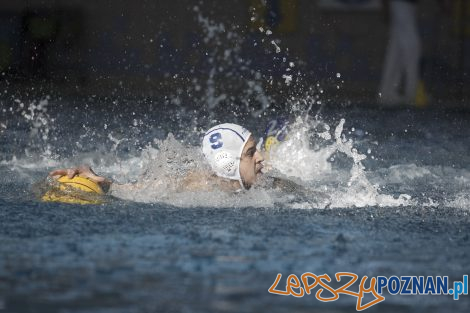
x=376 y=192
x=400 y=209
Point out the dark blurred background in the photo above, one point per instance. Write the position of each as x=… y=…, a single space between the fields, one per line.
x=140 y=47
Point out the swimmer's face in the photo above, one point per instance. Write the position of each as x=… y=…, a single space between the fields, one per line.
x=250 y=163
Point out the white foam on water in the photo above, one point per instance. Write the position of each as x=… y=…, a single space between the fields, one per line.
x=439 y=185
x=460 y=201
x=406 y=172
x=295 y=158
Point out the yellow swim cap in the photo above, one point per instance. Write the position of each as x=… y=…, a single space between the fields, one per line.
x=77 y=190
x=270 y=142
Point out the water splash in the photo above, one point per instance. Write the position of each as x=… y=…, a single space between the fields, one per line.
x=296 y=158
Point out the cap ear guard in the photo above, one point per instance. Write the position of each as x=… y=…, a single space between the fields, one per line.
x=225 y=163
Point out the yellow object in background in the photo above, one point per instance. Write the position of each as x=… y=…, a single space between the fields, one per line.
x=421 y=99
x=76 y=190
x=270 y=142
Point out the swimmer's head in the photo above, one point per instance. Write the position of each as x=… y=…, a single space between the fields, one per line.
x=250 y=163
x=231 y=152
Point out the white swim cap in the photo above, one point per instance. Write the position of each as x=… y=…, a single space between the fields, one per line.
x=223 y=146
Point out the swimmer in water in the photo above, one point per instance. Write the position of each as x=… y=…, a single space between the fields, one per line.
x=229 y=149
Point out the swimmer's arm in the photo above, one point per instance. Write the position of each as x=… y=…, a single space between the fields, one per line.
x=291 y=187
x=193 y=182
x=108 y=186
x=287 y=185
